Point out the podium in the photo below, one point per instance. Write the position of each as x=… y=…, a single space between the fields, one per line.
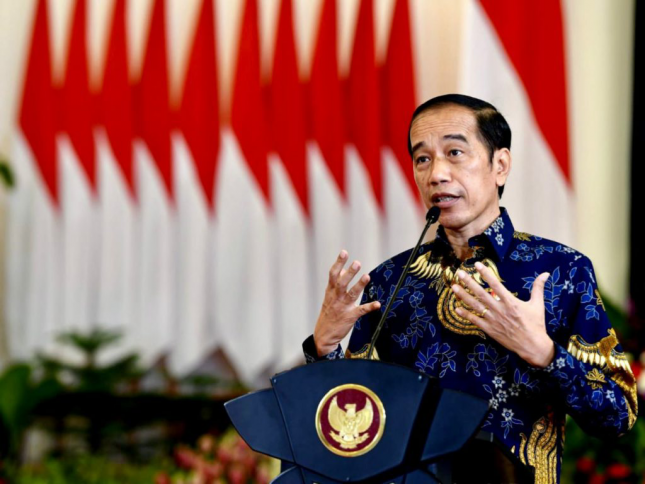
x=358 y=420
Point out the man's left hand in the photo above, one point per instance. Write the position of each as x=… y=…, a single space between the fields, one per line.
x=518 y=325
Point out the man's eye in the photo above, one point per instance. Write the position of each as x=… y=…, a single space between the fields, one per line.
x=455 y=152
x=422 y=159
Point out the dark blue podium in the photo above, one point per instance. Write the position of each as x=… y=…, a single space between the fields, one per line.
x=368 y=421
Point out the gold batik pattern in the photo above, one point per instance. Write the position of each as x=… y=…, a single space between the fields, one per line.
x=595 y=379
x=522 y=236
x=599 y=300
x=362 y=353
x=613 y=364
x=539 y=450
x=442 y=278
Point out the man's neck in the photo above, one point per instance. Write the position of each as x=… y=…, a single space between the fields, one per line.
x=461 y=249
x=458 y=239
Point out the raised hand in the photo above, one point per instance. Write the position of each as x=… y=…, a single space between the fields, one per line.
x=339 y=311
x=518 y=325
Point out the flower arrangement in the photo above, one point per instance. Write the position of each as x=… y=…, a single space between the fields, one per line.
x=227 y=459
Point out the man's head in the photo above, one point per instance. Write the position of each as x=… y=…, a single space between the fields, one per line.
x=494 y=131
x=461 y=161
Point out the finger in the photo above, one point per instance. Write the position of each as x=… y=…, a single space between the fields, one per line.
x=356 y=290
x=334 y=272
x=493 y=282
x=348 y=275
x=364 y=309
x=473 y=318
x=537 y=293
x=476 y=289
x=468 y=299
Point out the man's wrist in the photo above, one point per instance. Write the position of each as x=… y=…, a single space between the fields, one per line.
x=323 y=348
x=322 y=351
x=544 y=357
x=311 y=352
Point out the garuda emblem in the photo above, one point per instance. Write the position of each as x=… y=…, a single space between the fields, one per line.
x=350 y=420
x=442 y=278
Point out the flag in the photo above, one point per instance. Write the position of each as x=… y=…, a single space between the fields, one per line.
x=244 y=255
x=404 y=219
x=325 y=153
x=195 y=152
x=78 y=210
x=156 y=253
x=363 y=153
x=501 y=37
x=34 y=239
x=290 y=196
x=118 y=214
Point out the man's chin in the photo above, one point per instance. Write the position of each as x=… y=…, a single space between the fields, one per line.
x=451 y=221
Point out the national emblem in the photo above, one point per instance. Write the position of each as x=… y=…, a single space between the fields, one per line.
x=350 y=420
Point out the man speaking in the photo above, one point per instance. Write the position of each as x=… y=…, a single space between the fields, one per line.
x=505 y=315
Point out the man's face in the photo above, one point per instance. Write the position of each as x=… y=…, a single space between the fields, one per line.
x=453 y=171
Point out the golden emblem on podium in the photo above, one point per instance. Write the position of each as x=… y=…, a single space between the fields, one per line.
x=350 y=420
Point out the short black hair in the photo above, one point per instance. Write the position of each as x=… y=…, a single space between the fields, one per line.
x=494 y=131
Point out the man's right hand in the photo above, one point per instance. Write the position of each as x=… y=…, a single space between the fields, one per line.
x=339 y=311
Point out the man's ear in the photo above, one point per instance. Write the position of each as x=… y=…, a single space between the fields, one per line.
x=502 y=162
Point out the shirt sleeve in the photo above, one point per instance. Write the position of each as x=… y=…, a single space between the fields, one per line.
x=590 y=373
x=311 y=354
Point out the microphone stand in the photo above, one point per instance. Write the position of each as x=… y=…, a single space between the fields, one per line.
x=431 y=216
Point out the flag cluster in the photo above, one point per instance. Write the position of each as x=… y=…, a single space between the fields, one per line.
x=187 y=232
x=207 y=224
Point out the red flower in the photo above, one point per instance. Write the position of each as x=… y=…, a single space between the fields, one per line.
x=237 y=474
x=586 y=465
x=160 y=478
x=597 y=479
x=212 y=470
x=618 y=471
x=186 y=458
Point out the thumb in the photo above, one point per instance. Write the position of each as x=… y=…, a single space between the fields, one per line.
x=537 y=293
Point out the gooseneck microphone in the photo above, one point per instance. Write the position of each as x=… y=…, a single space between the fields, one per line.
x=431 y=216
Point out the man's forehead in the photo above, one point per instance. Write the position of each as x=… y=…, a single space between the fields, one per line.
x=444 y=122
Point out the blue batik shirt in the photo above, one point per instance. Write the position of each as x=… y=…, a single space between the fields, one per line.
x=589 y=378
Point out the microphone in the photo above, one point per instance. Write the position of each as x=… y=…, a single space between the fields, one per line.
x=431 y=217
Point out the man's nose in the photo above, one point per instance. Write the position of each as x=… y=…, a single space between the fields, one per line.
x=440 y=171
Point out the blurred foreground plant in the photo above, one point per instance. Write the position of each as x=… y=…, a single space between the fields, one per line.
x=89 y=375
x=86 y=469
x=20 y=393
x=225 y=460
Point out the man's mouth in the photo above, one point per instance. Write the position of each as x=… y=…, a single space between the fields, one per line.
x=444 y=199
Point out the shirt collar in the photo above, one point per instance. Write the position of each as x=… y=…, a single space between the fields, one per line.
x=497 y=237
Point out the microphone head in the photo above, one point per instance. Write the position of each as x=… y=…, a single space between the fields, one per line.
x=433 y=214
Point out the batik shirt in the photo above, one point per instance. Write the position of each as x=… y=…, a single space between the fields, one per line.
x=589 y=378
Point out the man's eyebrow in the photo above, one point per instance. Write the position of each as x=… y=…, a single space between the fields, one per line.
x=420 y=144
x=458 y=137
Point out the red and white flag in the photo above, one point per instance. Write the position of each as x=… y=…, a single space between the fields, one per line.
x=78 y=207
x=157 y=250
x=363 y=153
x=195 y=153
x=403 y=209
x=514 y=59
x=289 y=197
x=118 y=213
x=325 y=153
x=34 y=245
x=244 y=256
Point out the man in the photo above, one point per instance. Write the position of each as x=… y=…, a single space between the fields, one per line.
x=508 y=316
